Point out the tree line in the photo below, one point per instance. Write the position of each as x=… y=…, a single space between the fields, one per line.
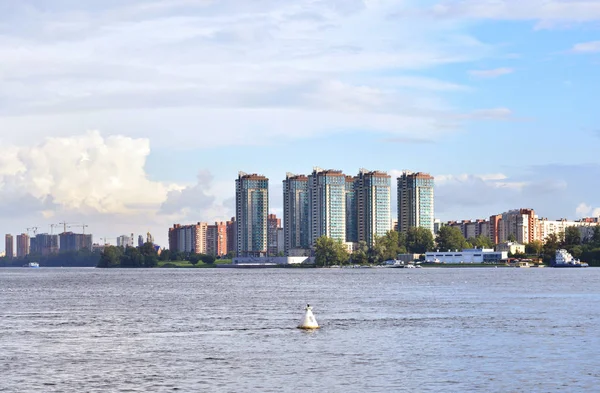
x=146 y=257
x=81 y=258
x=421 y=240
x=414 y=241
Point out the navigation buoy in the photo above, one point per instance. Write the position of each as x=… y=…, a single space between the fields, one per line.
x=309 y=321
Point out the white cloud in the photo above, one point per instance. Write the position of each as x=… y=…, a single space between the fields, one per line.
x=88 y=173
x=101 y=181
x=586 y=47
x=494 y=73
x=583 y=210
x=238 y=69
x=548 y=13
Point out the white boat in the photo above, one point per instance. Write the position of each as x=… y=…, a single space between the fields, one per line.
x=522 y=264
x=32 y=264
x=564 y=259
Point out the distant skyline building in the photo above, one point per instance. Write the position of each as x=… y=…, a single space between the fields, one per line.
x=374 y=216
x=231 y=228
x=140 y=241
x=22 y=245
x=327 y=204
x=518 y=225
x=70 y=241
x=296 y=217
x=252 y=209
x=188 y=238
x=9 y=246
x=43 y=244
x=125 y=241
x=351 y=210
x=273 y=225
x=280 y=241
x=216 y=239
x=415 y=201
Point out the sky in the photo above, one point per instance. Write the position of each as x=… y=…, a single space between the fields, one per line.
x=130 y=116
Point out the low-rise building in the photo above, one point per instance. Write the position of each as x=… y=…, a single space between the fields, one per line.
x=511 y=248
x=469 y=255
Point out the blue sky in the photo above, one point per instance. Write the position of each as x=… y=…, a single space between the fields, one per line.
x=133 y=115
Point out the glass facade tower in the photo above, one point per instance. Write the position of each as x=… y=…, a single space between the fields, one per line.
x=351 y=211
x=252 y=207
x=372 y=191
x=327 y=204
x=415 y=201
x=296 y=216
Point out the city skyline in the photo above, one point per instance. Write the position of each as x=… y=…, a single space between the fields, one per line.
x=131 y=117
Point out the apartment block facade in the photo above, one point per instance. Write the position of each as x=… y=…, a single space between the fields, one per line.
x=415 y=201
x=372 y=190
x=327 y=204
x=296 y=215
x=252 y=207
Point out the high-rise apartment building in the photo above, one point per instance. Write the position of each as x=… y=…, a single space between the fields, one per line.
x=280 y=241
x=518 y=224
x=125 y=241
x=22 y=245
x=231 y=228
x=70 y=241
x=296 y=217
x=273 y=224
x=216 y=239
x=352 y=220
x=43 y=244
x=252 y=207
x=372 y=190
x=494 y=228
x=327 y=204
x=415 y=201
x=9 y=246
x=188 y=238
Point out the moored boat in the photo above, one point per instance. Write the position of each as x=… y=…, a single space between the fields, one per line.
x=564 y=259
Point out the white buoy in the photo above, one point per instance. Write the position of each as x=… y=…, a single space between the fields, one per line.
x=309 y=321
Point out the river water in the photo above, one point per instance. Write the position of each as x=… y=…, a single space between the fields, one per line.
x=232 y=330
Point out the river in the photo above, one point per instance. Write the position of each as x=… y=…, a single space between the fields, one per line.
x=234 y=330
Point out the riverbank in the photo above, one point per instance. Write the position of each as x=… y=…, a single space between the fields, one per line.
x=188 y=265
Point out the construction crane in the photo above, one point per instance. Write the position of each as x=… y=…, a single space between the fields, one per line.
x=52 y=228
x=34 y=229
x=64 y=226
x=106 y=239
x=83 y=226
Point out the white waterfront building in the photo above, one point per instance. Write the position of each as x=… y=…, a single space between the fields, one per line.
x=468 y=255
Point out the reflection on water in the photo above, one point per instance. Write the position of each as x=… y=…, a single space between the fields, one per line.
x=425 y=330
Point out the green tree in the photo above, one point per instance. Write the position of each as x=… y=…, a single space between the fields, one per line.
x=165 y=255
x=419 y=240
x=377 y=253
x=480 y=242
x=534 y=248
x=390 y=242
x=450 y=238
x=577 y=251
x=330 y=252
x=110 y=257
x=360 y=253
x=512 y=238
x=550 y=246
x=208 y=259
x=195 y=258
x=402 y=243
x=572 y=237
x=596 y=236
